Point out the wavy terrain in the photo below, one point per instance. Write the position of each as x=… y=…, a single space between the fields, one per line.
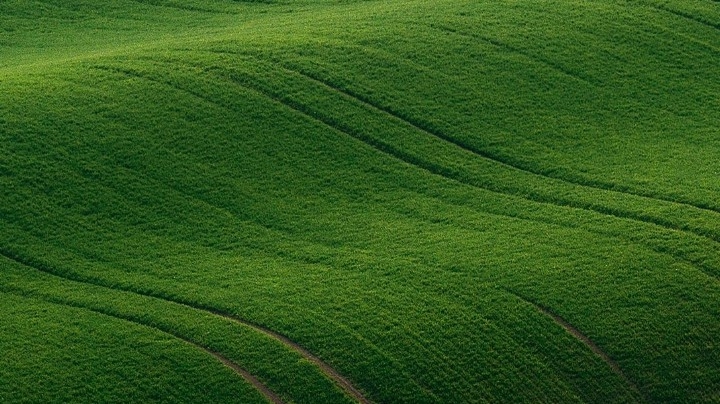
x=359 y=201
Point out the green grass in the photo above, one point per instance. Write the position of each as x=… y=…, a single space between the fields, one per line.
x=445 y=201
x=55 y=353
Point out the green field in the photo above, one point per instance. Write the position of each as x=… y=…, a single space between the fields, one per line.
x=337 y=201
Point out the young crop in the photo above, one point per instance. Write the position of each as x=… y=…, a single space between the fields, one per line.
x=353 y=201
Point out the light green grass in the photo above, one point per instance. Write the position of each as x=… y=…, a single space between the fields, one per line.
x=408 y=189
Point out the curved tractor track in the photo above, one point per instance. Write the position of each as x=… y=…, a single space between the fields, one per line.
x=268 y=394
x=326 y=369
x=580 y=336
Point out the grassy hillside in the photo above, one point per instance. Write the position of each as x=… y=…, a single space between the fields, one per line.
x=359 y=201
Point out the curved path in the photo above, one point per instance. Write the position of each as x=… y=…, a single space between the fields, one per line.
x=572 y=330
x=397 y=153
x=608 y=211
x=264 y=390
x=269 y=395
x=598 y=185
x=248 y=82
x=340 y=381
x=328 y=370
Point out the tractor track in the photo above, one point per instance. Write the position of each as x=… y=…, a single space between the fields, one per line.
x=268 y=394
x=331 y=373
x=580 y=336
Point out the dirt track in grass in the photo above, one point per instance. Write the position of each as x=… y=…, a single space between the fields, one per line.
x=589 y=343
x=341 y=381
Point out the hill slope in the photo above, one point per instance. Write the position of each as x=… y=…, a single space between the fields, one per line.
x=339 y=201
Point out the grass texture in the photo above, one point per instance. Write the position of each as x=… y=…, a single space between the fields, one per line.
x=359 y=201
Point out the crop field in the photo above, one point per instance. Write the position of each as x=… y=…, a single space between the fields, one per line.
x=360 y=201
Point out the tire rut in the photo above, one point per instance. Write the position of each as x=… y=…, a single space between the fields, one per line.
x=588 y=184
x=502 y=45
x=339 y=380
x=264 y=390
x=328 y=370
x=579 y=335
x=268 y=394
x=410 y=159
x=247 y=82
x=537 y=198
x=479 y=153
x=686 y=16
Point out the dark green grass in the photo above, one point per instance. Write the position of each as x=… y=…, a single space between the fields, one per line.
x=55 y=353
x=410 y=190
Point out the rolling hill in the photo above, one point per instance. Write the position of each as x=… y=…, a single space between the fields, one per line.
x=359 y=201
